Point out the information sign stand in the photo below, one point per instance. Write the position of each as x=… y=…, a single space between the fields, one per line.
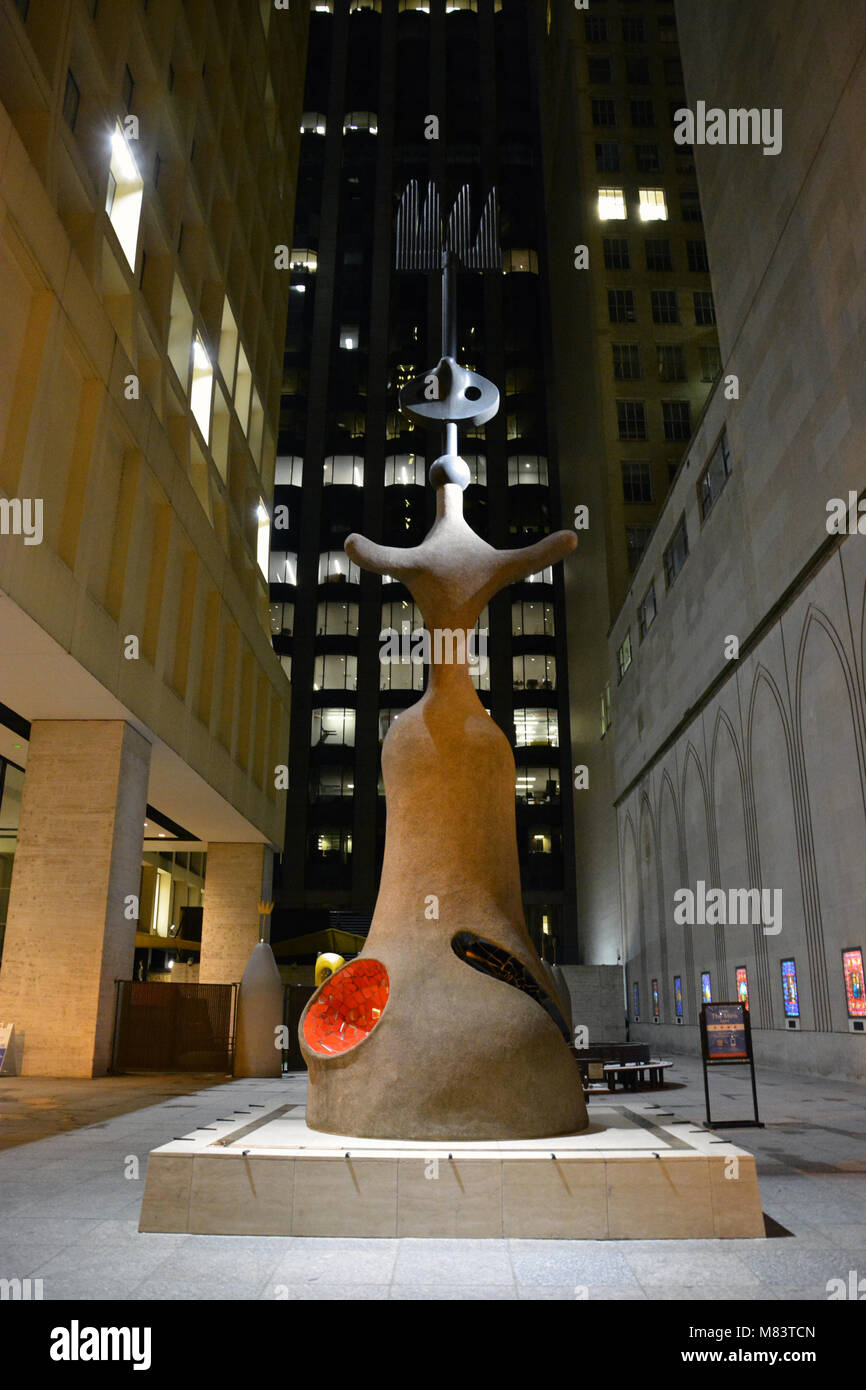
x=726 y=1040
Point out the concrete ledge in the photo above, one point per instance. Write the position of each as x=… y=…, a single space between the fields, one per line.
x=631 y=1176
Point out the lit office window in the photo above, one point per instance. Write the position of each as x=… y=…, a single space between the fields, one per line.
x=387 y=717
x=313 y=123
x=652 y=206
x=289 y=471
x=343 y=470
x=301 y=259
x=263 y=536
x=335 y=567
x=477 y=465
x=514 y=261
x=282 y=619
x=202 y=387
x=361 y=120
x=544 y=576
x=337 y=619
x=334 y=726
x=611 y=205
x=124 y=195
x=452 y=5
x=398 y=612
x=537 y=786
x=283 y=567
x=335 y=671
x=331 y=845
x=534 y=671
x=541 y=840
x=322 y=6
x=527 y=468
x=356 y=5
x=405 y=470
x=422 y=5
x=397 y=675
x=332 y=784
x=532 y=620
x=349 y=337
x=536 y=728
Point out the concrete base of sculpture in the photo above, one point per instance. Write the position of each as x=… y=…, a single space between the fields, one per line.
x=627 y=1176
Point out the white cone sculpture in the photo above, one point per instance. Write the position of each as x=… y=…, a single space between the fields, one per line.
x=445 y=1027
x=260 y=1016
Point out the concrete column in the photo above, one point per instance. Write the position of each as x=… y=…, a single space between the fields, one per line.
x=236 y=879
x=69 y=935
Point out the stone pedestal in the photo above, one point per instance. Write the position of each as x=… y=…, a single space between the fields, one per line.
x=70 y=932
x=237 y=878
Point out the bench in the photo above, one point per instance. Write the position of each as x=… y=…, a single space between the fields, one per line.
x=629 y=1074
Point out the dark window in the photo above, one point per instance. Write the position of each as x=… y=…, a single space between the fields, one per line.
x=598 y=69
x=631 y=419
x=677 y=419
x=677 y=552
x=705 y=308
x=127 y=89
x=658 y=254
x=636 y=540
x=620 y=306
x=616 y=256
x=637 y=483
x=665 y=306
x=715 y=475
x=71 y=101
x=690 y=207
x=633 y=31
x=673 y=72
x=596 y=29
x=671 y=362
x=642 y=113
x=646 y=613
x=637 y=71
x=607 y=156
x=646 y=159
x=711 y=363
x=668 y=30
x=603 y=111
x=698 y=255
x=626 y=361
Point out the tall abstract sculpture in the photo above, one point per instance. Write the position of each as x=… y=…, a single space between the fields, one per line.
x=446 y=1027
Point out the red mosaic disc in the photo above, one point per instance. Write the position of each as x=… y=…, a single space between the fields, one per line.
x=347 y=1007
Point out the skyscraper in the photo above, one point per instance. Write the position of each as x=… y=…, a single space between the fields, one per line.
x=442 y=92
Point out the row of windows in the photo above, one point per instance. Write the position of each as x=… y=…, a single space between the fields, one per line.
x=658 y=252
x=534 y=786
x=664 y=304
x=335 y=567
x=608 y=157
x=533 y=728
x=641 y=111
x=631 y=420
x=339 y=671
x=341 y=619
x=408 y=470
x=638 y=72
x=670 y=362
x=599 y=29
x=651 y=205
x=403 y=6
x=710 y=484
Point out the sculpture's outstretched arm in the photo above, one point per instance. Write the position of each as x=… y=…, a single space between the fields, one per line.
x=380 y=559
x=517 y=564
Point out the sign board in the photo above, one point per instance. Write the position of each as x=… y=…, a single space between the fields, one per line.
x=7 y=1031
x=726 y=1040
x=725 y=1029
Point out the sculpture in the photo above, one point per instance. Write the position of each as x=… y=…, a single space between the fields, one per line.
x=445 y=1027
